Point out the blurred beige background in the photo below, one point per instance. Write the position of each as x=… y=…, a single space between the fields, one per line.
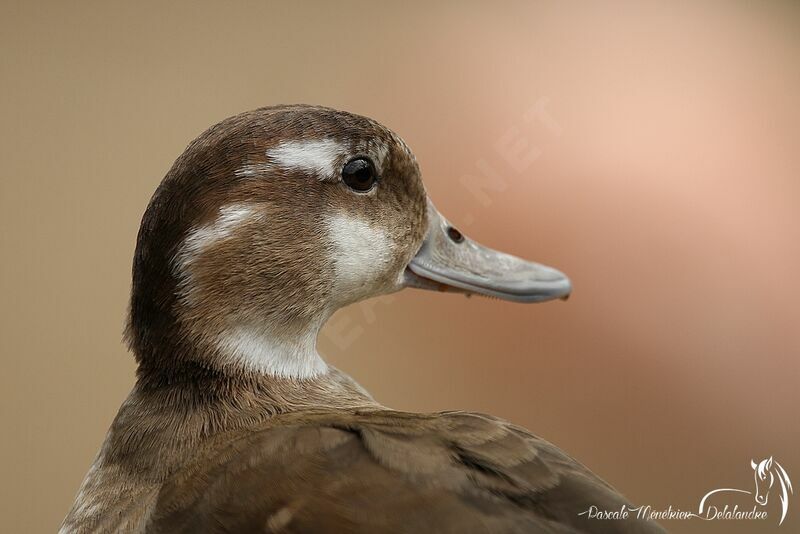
x=648 y=149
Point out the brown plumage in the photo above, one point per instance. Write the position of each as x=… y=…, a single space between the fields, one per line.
x=215 y=439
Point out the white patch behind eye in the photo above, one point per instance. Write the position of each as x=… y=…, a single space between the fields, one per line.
x=361 y=254
x=319 y=157
x=200 y=238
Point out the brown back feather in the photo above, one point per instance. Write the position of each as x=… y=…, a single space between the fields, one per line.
x=384 y=471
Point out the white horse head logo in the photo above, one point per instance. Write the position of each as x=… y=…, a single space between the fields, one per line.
x=765 y=472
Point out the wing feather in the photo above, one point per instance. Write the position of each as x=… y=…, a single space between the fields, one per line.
x=384 y=471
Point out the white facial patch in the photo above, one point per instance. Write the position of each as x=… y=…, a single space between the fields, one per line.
x=199 y=239
x=255 y=347
x=259 y=350
x=318 y=157
x=361 y=255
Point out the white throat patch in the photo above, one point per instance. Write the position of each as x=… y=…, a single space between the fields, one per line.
x=259 y=350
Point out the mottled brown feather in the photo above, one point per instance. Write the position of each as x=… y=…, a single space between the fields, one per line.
x=384 y=471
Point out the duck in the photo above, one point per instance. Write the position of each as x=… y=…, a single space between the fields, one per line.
x=268 y=223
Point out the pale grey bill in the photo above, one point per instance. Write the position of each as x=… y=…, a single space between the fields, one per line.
x=449 y=261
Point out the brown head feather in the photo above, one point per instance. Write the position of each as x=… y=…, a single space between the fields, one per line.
x=276 y=269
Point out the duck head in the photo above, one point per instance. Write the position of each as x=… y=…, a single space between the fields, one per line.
x=272 y=220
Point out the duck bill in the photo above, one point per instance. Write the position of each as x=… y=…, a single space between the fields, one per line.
x=449 y=261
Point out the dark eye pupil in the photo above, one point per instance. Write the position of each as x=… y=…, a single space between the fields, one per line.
x=359 y=175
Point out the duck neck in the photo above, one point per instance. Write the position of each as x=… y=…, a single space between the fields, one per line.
x=235 y=352
x=278 y=351
x=159 y=421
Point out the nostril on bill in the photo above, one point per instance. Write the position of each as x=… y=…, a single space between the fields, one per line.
x=454 y=235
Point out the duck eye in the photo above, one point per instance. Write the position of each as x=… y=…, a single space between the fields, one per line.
x=359 y=175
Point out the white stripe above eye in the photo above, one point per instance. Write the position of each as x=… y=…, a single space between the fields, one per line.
x=319 y=157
